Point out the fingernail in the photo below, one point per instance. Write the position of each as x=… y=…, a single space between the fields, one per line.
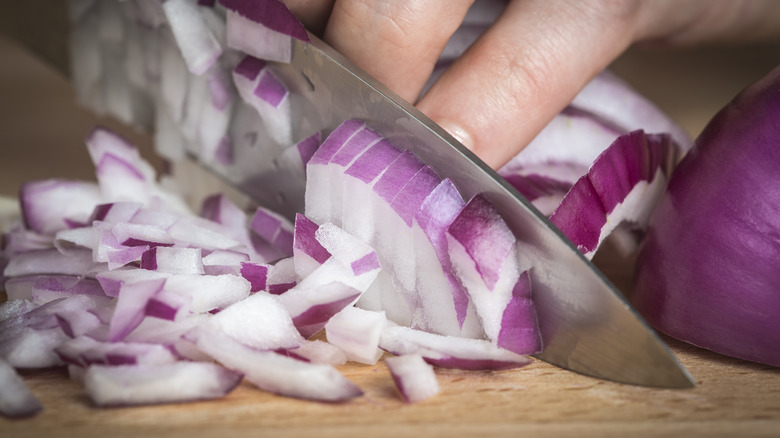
x=459 y=133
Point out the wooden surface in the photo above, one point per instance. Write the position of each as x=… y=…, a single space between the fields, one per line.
x=41 y=135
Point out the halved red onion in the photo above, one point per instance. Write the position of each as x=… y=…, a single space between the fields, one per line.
x=150 y=384
x=414 y=378
x=707 y=271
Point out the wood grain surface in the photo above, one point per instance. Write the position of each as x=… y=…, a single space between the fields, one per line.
x=42 y=133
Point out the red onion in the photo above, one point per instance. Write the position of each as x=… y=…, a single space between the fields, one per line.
x=707 y=273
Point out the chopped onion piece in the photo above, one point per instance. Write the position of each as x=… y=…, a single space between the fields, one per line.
x=152 y=384
x=277 y=373
x=356 y=332
x=16 y=399
x=199 y=46
x=414 y=378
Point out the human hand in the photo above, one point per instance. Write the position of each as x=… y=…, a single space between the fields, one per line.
x=528 y=65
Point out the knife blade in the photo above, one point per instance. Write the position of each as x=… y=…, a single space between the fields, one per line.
x=587 y=325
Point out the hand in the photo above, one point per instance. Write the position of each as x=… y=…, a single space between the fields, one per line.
x=529 y=64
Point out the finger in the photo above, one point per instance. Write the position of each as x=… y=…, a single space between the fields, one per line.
x=524 y=70
x=395 y=41
x=312 y=13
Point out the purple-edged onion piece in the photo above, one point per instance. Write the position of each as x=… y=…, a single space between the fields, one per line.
x=708 y=270
x=621 y=186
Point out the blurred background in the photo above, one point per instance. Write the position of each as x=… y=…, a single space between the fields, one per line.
x=42 y=129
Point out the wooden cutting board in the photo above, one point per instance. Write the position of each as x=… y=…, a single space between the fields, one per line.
x=41 y=135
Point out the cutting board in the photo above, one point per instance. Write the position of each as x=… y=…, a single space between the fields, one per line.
x=42 y=132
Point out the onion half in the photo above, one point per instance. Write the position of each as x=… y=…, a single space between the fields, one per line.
x=708 y=270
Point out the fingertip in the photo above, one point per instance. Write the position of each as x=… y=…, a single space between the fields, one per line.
x=457 y=131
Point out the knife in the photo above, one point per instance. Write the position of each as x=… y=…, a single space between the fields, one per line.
x=587 y=325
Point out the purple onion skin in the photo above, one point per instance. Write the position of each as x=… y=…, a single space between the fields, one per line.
x=708 y=271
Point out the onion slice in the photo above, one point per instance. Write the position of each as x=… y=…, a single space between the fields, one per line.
x=414 y=378
x=623 y=185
